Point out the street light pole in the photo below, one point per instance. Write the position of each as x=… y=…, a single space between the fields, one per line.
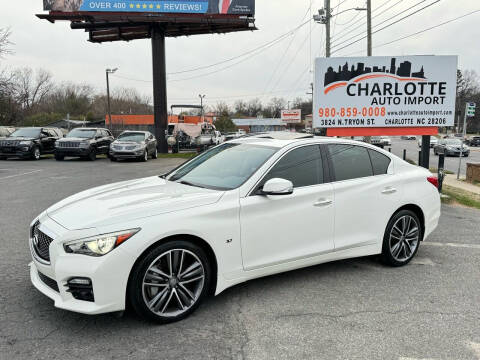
x=108 y=72
x=328 y=16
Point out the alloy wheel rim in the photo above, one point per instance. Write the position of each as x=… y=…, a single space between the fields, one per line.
x=404 y=237
x=173 y=283
x=37 y=153
x=146 y=155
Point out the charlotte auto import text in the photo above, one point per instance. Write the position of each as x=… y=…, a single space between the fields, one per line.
x=410 y=93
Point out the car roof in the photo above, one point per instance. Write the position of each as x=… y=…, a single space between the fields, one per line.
x=276 y=141
x=135 y=132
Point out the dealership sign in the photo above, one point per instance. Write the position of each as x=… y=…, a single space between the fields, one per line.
x=401 y=91
x=292 y=116
x=238 y=7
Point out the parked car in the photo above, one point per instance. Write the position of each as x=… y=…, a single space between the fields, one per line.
x=134 y=145
x=451 y=147
x=6 y=131
x=408 y=137
x=30 y=142
x=386 y=140
x=433 y=141
x=85 y=143
x=474 y=141
x=248 y=208
x=377 y=141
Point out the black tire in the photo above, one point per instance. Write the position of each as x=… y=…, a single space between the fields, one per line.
x=3 y=158
x=59 y=157
x=36 y=153
x=155 y=154
x=144 y=157
x=113 y=159
x=92 y=156
x=388 y=255
x=135 y=290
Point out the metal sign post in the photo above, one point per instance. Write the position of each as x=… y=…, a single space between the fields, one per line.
x=469 y=112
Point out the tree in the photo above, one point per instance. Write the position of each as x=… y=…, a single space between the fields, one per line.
x=241 y=108
x=30 y=88
x=254 y=107
x=224 y=123
x=468 y=89
x=5 y=42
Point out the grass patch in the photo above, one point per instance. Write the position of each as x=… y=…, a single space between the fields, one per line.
x=177 y=156
x=435 y=170
x=461 y=197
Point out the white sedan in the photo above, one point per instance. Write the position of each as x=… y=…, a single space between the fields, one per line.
x=245 y=209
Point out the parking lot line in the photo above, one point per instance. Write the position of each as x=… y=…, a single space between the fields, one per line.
x=17 y=175
x=458 y=245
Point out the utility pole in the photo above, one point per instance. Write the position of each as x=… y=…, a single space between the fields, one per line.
x=108 y=72
x=201 y=104
x=328 y=16
x=369 y=27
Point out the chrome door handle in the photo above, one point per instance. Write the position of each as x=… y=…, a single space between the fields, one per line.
x=389 y=190
x=323 y=202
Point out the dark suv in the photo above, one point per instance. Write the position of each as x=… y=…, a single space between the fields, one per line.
x=85 y=143
x=475 y=141
x=30 y=142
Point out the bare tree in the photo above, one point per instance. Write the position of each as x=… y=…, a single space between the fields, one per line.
x=31 y=87
x=5 y=42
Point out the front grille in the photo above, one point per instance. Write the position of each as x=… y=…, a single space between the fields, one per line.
x=130 y=147
x=68 y=144
x=41 y=243
x=52 y=284
x=118 y=147
x=9 y=142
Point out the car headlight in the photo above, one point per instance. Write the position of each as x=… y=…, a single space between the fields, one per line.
x=27 y=142
x=99 y=245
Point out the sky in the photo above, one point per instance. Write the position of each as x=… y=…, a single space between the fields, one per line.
x=282 y=70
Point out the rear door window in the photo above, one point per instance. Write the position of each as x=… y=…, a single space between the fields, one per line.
x=380 y=162
x=350 y=161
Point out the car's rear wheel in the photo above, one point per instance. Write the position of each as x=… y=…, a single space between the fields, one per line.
x=59 y=157
x=402 y=238
x=155 y=153
x=169 y=283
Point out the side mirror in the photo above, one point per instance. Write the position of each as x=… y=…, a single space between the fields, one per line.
x=277 y=186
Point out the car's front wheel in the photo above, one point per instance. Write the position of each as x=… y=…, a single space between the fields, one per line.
x=402 y=238
x=169 y=283
x=36 y=153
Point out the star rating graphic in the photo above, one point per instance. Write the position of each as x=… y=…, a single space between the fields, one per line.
x=142 y=5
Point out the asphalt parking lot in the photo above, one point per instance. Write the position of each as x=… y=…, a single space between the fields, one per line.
x=451 y=163
x=353 y=309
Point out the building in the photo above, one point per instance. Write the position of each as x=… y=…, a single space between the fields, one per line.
x=255 y=125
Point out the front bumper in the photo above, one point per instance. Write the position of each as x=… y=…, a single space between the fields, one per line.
x=457 y=152
x=74 y=152
x=16 y=151
x=109 y=274
x=126 y=154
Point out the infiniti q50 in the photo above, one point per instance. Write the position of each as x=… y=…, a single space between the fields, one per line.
x=245 y=209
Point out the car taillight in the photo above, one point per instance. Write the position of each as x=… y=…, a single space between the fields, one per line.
x=433 y=180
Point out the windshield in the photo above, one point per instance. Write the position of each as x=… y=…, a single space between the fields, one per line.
x=225 y=167
x=135 y=137
x=26 y=132
x=453 y=142
x=82 y=133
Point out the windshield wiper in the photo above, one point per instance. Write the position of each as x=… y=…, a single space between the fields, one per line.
x=183 y=182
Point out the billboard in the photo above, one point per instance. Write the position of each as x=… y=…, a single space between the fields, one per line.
x=236 y=7
x=401 y=91
x=292 y=116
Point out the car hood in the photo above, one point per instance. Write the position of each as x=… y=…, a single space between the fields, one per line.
x=128 y=200
x=19 y=138
x=74 y=139
x=120 y=142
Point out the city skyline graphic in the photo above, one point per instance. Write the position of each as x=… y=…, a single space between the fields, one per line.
x=344 y=73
